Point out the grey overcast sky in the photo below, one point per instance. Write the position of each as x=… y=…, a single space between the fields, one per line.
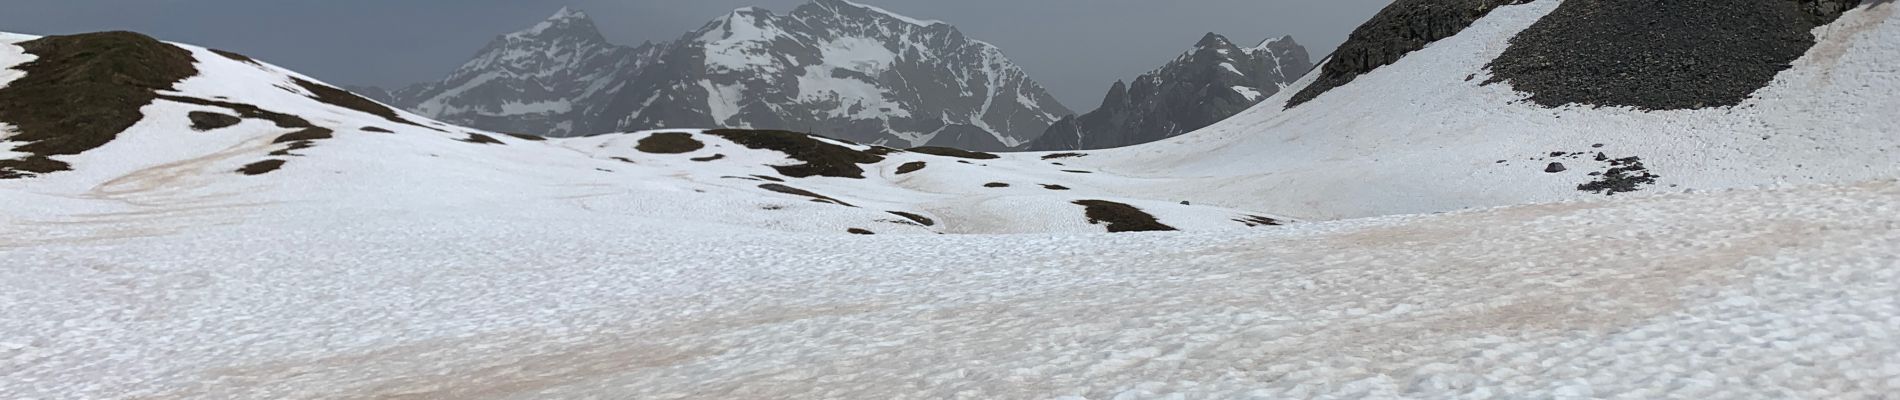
x=1076 y=48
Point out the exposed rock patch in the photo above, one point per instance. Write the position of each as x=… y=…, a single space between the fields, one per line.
x=954 y=152
x=1121 y=217
x=343 y=98
x=261 y=167
x=1254 y=221
x=910 y=167
x=478 y=138
x=236 y=57
x=995 y=185
x=919 y=219
x=282 y=120
x=1055 y=187
x=205 y=121
x=1625 y=175
x=299 y=140
x=669 y=143
x=819 y=158
x=1062 y=155
x=860 y=231
x=715 y=157
x=802 y=192
x=1660 y=55
x=376 y=129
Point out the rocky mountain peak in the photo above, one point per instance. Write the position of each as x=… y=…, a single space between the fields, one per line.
x=1213 y=40
x=566 y=23
x=1211 y=81
x=847 y=9
x=835 y=67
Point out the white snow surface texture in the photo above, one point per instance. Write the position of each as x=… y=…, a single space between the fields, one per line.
x=415 y=264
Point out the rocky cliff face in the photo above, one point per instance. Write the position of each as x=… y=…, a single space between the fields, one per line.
x=830 y=66
x=1214 y=80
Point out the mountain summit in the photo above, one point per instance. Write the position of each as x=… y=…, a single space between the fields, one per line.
x=850 y=70
x=1214 y=80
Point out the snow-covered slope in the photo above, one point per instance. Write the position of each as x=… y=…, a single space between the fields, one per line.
x=856 y=71
x=297 y=146
x=1214 y=80
x=1428 y=134
x=253 y=233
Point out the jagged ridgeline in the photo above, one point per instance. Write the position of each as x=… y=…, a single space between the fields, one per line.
x=853 y=71
x=1214 y=80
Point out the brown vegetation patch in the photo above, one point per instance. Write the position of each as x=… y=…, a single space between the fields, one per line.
x=819 y=158
x=300 y=140
x=1253 y=221
x=1055 y=187
x=245 y=110
x=377 y=130
x=306 y=134
x=204 y=121
x=669 y=143
x=910 y=167
x=261 y=167
x=860 y=231
x=954 y=152
x=81 y=91
x=715 y=157
x=802 y=192
x=343 y=98
x=1121 y=217
x=237 y=57
x=481 y=139
x=995 y=185
x=922 y=220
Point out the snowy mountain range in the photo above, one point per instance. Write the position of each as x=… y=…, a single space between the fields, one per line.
x=1472 y=199
x=853 y=71
x=1214 y=80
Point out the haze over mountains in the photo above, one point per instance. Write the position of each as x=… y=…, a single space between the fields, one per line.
x=853 y=71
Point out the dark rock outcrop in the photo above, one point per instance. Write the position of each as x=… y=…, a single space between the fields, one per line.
x=1400 y=29
x=1668 y=55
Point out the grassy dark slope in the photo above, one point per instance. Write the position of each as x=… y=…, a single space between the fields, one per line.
x=81 y=91
x=954 y=152
x=343 y=98
x=820 y=158
x=669 y=143
x=1122 y=217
